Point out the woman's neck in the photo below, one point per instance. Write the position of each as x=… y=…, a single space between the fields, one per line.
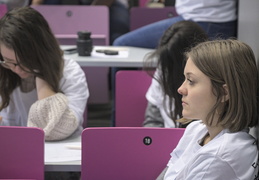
x=213 y=131
x=28 y=84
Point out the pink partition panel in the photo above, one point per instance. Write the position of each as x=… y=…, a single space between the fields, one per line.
x=21 y=153
x=66 y=20
x=143 y=3
x=130 y=101
x=127 y=153
x=3 y=10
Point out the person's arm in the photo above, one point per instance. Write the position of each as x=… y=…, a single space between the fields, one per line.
x=153 y=117
x=54 y=116
x=43 y=89
x=50 y=112
x=102 y=2
x=60 y=114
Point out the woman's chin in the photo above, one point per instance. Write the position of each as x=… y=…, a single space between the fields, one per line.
x=185 y=116
x=25 y=75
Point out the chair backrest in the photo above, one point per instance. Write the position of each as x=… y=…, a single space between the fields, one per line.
x=3 y=9
x=137 y=153
x=130 y=100
x=21 y=153
x=143 y=3
x=140 y=16
x=66 y=20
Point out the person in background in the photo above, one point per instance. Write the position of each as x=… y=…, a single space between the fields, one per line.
x=119 y=16
x=216 y=17
x=220 y=89
x=38 y=87
x=164 y=103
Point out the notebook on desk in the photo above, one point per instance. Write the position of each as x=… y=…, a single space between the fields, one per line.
x=127 y=152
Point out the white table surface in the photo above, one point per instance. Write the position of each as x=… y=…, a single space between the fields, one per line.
x=63 y=155
x=128 y=57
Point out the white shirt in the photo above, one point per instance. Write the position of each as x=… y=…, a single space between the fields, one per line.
x=155 y=96
x=229 y=156
x=207 y=10
x=73 y=85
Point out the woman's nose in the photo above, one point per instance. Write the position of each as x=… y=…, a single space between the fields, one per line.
x=181 y=90
x=16 y=69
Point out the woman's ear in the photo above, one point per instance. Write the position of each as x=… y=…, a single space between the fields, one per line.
x=226 y=93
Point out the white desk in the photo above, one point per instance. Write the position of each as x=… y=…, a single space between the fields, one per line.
x=98 y=66
x=63 y=155
x=134 y=58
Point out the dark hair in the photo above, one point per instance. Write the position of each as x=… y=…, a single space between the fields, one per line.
x=170 y=54
x=231 y=63
x=27 y=33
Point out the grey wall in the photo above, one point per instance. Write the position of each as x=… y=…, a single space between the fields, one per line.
x=248 y=30
x=248 y=24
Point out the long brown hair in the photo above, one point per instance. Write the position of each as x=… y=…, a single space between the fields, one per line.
x=27 y=33
x=231 y=63
x=170 y=55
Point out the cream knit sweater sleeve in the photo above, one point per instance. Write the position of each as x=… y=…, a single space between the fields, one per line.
x=53 y=115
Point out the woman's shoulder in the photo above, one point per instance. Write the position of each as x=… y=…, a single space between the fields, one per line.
x=238 y=150
x=195 y=130
x=195 y=125
x=70 y=63
x=227 y=143
x=233 y=148
x=71 y=67
x=72 y=73
x=240 y=141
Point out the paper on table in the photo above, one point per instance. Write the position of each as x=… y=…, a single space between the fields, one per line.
x=123 y=52
x=62 y=152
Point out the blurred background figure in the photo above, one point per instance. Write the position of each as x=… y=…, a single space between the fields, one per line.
x=218 y=18
x=164 y=102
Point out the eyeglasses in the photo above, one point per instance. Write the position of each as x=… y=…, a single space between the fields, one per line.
x=8 y=65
